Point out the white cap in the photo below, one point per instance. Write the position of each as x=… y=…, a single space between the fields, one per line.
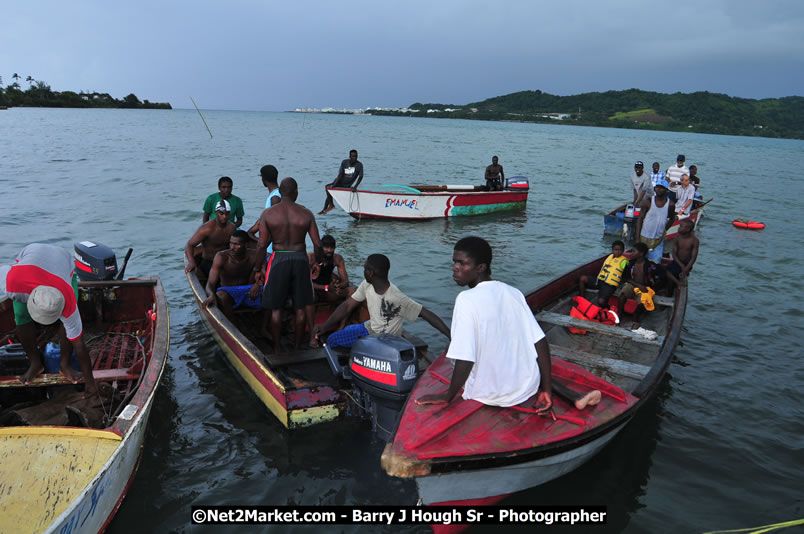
x=45 y=304
x=223 y=205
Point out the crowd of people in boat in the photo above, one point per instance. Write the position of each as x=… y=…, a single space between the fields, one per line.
x=681 y=182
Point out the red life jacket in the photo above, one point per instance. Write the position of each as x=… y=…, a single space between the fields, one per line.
x=584 y=309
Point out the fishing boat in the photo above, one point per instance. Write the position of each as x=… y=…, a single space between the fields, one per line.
x=466 y=452
x=67 y=462
x=298 y=386
x=424 y=202
x=621 y=221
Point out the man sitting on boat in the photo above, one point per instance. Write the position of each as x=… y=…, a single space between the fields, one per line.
x=685 y=195
x=641 y=278
x=211 y=237
x=350 y=174
x=387 y=307
x=495 y=177
x=656 y=216
x=502 y=357
x=685 y=252
x=609 y=277
x=329 y=286
x=233 y=268
x=43 y=288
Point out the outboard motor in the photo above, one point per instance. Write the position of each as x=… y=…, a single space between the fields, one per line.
x=517 y=183
x=94 y=261
x=384 y=369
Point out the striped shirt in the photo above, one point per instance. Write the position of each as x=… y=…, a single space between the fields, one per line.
x=45 y=265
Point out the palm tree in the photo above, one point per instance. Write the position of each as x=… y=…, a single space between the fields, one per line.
x=30 y=80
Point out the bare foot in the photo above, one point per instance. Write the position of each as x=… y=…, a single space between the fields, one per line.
x=590 y=399
x=90 y=391
x=31 y=373
x=314 y=343
x=69 y=373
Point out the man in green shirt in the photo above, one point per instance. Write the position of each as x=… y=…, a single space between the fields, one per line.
x=225 y=193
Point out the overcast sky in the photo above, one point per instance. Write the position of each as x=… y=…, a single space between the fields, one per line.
x=279 y=55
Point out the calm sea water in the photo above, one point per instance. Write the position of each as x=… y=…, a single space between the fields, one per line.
x=720 y=446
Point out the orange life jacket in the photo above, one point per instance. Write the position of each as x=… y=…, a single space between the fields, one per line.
x=584 y=309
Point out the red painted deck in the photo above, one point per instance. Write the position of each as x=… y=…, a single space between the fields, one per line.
x=469 y=428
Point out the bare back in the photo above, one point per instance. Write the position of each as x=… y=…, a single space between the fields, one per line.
x=288 y=224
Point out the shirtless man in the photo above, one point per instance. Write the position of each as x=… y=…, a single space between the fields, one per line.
x=212 y=236
x=685 y=252
x=234 y=269
x=286 y=225
x=495 y=177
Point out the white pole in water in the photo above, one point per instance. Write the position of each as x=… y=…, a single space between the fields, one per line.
x=202 y=117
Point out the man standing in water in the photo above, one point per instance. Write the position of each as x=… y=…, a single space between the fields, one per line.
x=495 y=177
x=287 y=225
x=44 y=289
x=350 y=174
x=501 y=354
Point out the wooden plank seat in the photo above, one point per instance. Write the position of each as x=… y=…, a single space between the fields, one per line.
x=290 y=358
x=584 y=359
x=591 y=326
x=56 y=379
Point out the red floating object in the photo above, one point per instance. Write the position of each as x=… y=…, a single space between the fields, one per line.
x=748 y=225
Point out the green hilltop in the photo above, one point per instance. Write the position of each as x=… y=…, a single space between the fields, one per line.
x=700 y=112
x=39 y=94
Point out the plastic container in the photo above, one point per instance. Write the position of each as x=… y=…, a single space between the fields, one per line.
x=53 y=358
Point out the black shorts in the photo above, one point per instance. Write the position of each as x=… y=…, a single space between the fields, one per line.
x=604 y=290
x=675 y=269
x=205 y=266
x=288 y=275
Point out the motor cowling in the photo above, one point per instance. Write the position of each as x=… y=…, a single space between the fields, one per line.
x=384 y=369
x=517 y=183
x=94 y=261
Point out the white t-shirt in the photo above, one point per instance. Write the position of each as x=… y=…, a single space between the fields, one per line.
x=493 y=327
x=386 y=311
x=641 y=183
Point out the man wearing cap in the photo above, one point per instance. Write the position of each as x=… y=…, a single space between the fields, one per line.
x=225 y=186
x=641 y=183
x=673 y=176
x=44 y=289
x=656 y=216
x=212 y=237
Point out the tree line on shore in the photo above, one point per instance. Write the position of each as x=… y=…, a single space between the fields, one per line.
x=39 y=94
x=700 y=112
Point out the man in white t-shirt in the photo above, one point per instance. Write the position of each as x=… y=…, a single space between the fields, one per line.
x=387 y=307
x=685 y=195
x=501 y=354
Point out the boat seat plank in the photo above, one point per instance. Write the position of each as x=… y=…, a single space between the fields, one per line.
x=591 y=326
x=584 y=359
x=290 y=358
x=56 y=379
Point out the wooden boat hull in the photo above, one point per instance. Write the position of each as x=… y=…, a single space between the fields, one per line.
x=73 y=480
x=614 y=225
x=494 y=481
x=294 y=405
x=424 y=205
x=462 y=452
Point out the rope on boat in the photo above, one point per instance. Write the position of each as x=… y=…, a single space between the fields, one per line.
x=762 y=529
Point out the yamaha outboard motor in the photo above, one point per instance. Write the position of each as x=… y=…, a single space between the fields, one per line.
x=94 y=261
x=517 y=183
x=384 y=369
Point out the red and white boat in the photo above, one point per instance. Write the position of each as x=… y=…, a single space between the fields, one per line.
x=422 y=202
x=466 y=452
